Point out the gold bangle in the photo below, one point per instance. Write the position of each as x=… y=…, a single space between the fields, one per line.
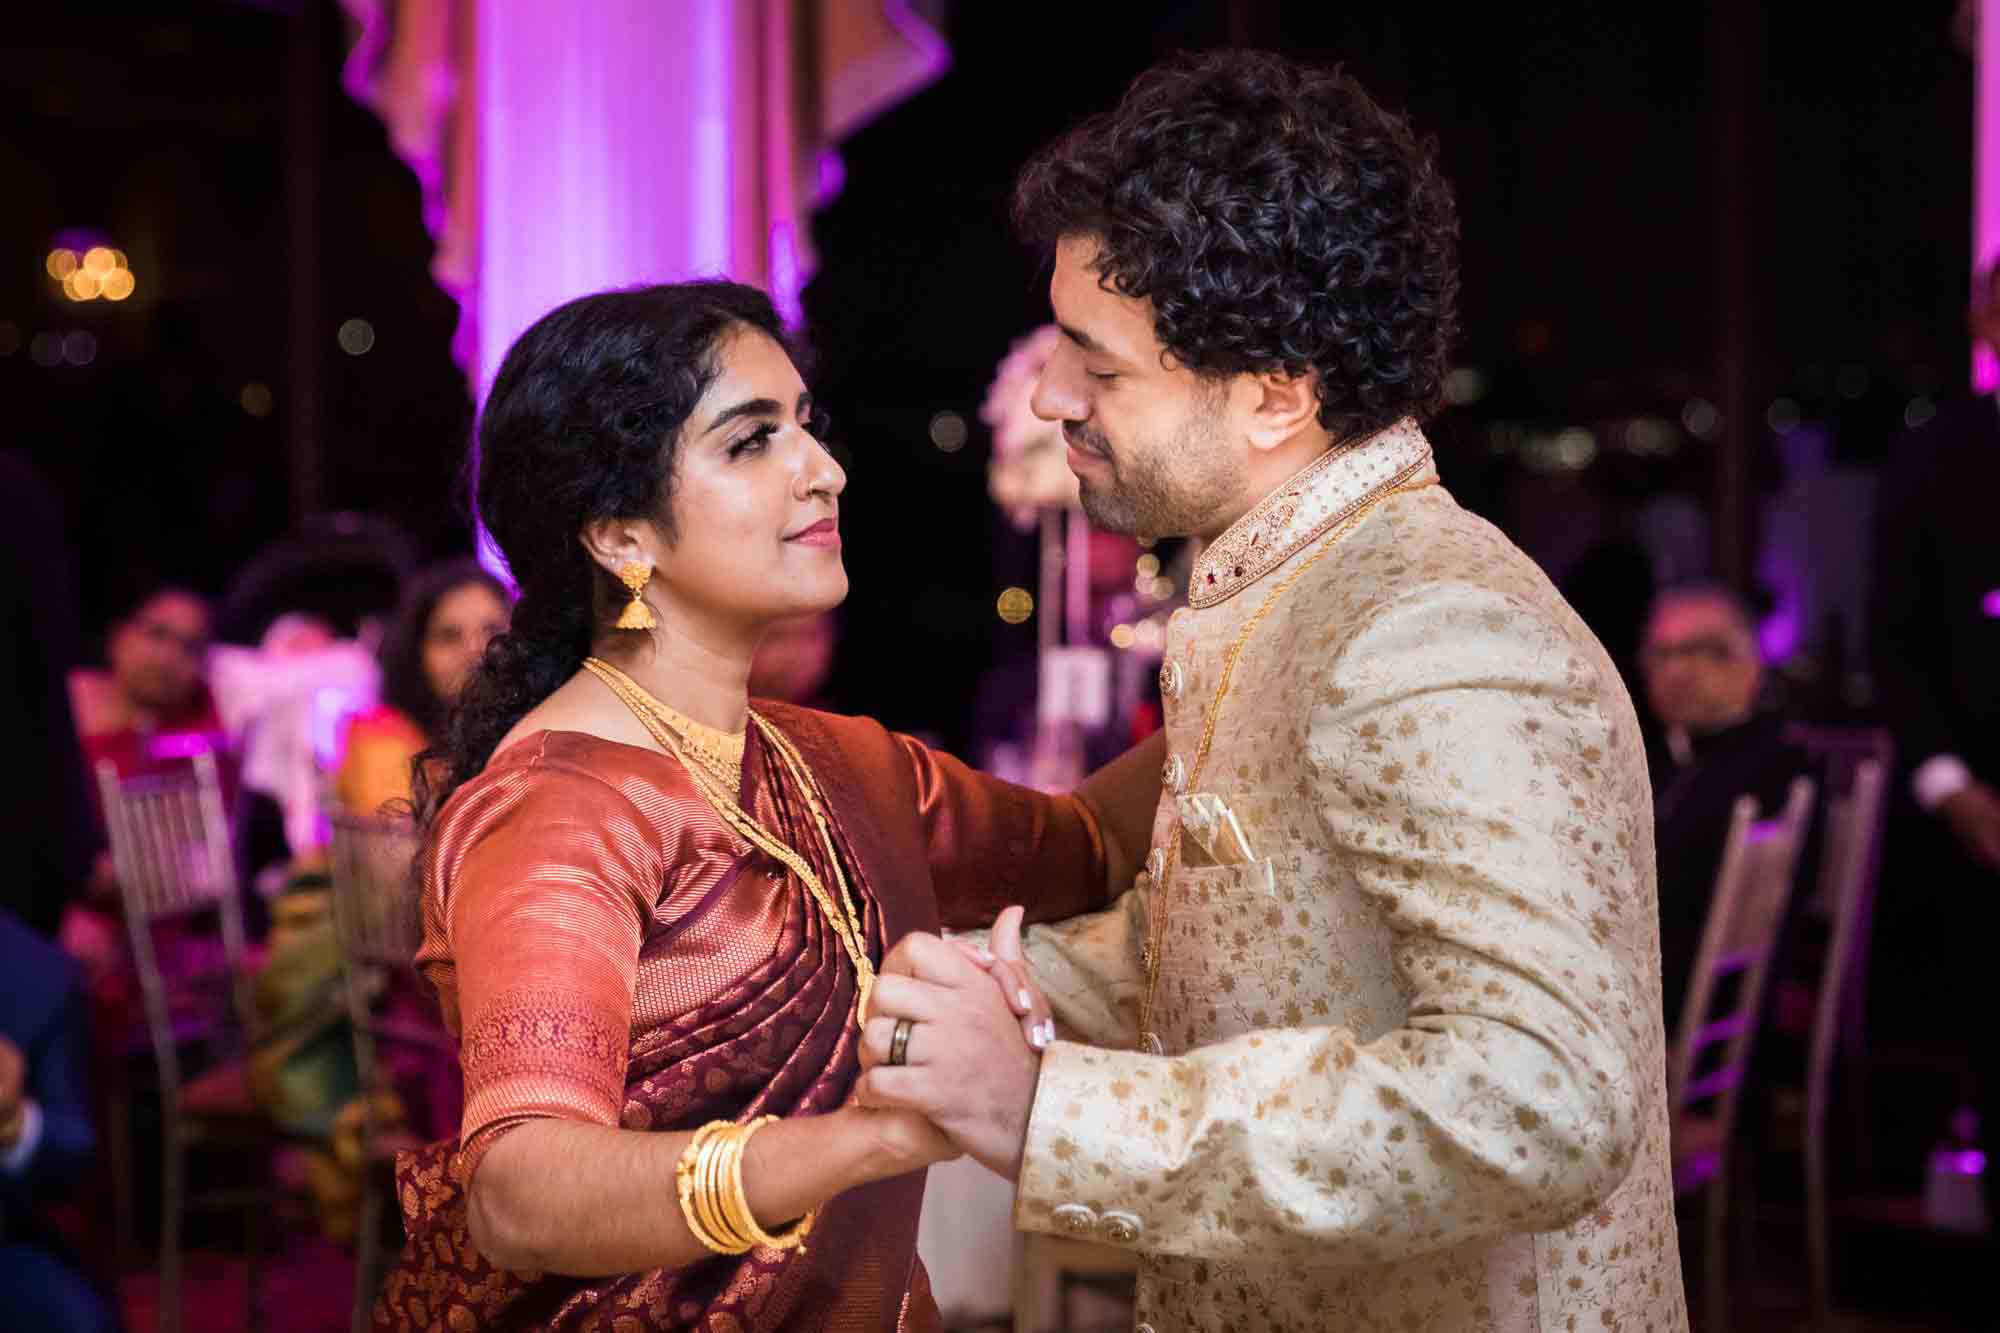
x=697 y=1197
x=685 y=1188
x=714 y=1172
x=741 y=1219
x=693 y=1201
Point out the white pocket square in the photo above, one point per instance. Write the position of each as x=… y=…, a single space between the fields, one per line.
x=1214 y=828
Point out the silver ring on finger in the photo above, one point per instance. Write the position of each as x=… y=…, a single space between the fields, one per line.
x=899 y=1043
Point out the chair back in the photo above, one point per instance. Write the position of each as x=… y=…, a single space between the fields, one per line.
x=1718 y=1027
x=1857 y=763
x=372 y=861
x=377 y=919
x=175 y=859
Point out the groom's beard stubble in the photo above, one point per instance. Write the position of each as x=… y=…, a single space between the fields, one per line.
x=1178 y=489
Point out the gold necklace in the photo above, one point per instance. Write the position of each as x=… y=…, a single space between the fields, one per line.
x=1154 y=953
x=719 y=751
x=846 y=924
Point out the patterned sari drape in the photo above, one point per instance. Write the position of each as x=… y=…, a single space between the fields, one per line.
x=780 y=1041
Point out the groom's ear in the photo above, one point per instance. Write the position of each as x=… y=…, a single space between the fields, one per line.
x=1273 y=406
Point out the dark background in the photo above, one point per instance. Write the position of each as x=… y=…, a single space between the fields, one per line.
x=1730 y=203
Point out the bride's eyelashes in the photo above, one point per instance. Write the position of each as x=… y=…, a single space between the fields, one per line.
x=754 y=442
x=816 y=424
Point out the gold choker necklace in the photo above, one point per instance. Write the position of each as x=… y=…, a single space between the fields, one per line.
x=718 y=751
x=843 y=916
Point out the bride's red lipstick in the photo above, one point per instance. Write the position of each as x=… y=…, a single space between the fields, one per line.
x=825 y=533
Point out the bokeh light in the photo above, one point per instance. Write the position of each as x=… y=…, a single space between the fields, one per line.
x=1700 y=417
x=100 y=271
x=356 y=337
x=256 y=398
x=949 y=432
x=1016 y=605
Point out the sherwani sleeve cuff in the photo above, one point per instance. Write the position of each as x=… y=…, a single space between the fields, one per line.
x=1090 y=969
x=1304 y=1145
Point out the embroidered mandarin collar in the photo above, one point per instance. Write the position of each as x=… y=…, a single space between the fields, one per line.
x=1316 y=498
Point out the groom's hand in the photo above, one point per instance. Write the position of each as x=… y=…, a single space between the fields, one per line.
x=1007 y=964
x=965 y=1063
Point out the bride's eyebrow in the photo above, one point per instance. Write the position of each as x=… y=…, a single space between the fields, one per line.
x=749 y=407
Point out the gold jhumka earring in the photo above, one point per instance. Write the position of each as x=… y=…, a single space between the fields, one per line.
x=635 y=574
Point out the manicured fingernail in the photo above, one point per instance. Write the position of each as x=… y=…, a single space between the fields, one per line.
x=1027 y=1000
x=1040 y=1039
x=1047 y=1032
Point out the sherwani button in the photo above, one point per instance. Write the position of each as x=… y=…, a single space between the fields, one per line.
x=1174 y=775
x=1143 y=1328
x=1170 y=679
x=1156 y=865
x=1122 y=1228
x=1075 y=1219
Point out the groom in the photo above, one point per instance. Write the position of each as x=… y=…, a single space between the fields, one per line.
x=1375 y=1042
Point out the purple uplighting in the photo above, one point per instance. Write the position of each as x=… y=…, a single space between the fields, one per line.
x=1986 y=172
x=1967 y=1162
x=180 y=744
x=1991 y=604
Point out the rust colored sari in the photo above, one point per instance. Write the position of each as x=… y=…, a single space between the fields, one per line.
x=611 y=952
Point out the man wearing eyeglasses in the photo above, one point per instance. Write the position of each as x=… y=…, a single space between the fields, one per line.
x=1704 y=678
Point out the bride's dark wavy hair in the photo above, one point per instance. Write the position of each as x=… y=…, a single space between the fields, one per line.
x=583 y=423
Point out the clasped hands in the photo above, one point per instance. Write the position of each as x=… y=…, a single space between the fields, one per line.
x=972 y=1055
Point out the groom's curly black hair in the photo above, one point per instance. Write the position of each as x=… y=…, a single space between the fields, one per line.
x=1275 y=217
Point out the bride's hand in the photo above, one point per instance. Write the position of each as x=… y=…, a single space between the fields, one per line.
x=900 y=1141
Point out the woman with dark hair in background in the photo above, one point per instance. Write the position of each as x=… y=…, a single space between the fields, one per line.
x=301 y=1065
x=449 y=614
x=653 y=911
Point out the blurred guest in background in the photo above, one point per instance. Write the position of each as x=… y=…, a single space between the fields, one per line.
x=301 y=1061
x=450 y=613
x=46 y=1134
x=145 y=711
x=1938 y=594
x=1704 y=679
x=153 y=685
x=1937 y=662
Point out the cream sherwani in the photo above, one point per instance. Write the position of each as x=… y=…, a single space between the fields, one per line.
x=1410 y=1067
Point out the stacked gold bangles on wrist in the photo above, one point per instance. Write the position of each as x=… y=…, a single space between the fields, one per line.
x=710 y=1177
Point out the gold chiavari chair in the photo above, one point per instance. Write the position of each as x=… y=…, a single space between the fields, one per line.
x=175 y=860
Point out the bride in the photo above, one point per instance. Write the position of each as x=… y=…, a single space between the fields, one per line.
x=652 y=908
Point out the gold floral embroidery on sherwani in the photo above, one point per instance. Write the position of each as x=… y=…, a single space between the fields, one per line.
x=1410 y=1003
